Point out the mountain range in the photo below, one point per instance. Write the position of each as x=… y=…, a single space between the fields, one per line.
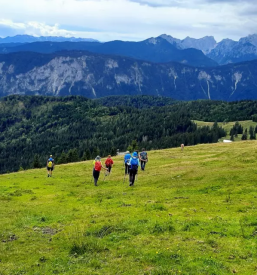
x=30 y=39
x=96 y=75
x=225 y=52
x=154 y=49
x=164 y=66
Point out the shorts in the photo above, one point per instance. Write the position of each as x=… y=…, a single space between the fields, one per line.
x=50 y=168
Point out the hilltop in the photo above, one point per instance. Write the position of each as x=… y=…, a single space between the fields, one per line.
x=191 y=212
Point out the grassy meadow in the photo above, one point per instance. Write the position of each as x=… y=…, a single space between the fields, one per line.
x=191 y=212
x=228 y=125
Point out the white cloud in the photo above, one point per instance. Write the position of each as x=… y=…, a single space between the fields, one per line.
x=127 y=19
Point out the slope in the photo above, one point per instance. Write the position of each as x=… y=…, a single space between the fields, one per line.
x=189 y=213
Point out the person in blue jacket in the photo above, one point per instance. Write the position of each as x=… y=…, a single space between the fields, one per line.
x=133 y=164
x=127 y=158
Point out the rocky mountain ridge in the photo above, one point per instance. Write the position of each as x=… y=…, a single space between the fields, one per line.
x=230 y=51
x=96 y=75
x=224 y=52
x=205 y=44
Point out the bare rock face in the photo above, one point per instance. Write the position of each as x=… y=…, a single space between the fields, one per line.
x=230 y=51
x=94 y=76
x=205 y=44
x=225 y=52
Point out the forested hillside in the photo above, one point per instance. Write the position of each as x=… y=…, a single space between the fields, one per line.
x=205 y=110
x=75 y=128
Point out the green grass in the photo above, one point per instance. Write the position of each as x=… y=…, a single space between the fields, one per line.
x=227 y=126
x=191 y=212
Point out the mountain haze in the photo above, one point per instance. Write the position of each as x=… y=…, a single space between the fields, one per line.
x=30 y=39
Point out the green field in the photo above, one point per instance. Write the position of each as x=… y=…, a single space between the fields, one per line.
x=227 y=126
x=191 y=212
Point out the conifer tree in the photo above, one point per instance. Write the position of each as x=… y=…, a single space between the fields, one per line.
x=75 y=155
x=63 y=158
x=36 y=162
x=252 y=133
x=244 y=136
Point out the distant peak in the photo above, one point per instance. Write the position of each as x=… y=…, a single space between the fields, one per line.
x=165 y=36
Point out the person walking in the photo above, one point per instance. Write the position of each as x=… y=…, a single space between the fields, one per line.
x=109 y=164
x=133 y=164
x=127 y=158
x=50 y=166
x=97 y=169
x=143 y=159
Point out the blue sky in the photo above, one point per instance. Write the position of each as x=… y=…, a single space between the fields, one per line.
x=135 y=20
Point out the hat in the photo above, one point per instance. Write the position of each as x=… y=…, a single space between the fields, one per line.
x=135 y=154
x=127 y=152
x=97 y=158
x=51 y=155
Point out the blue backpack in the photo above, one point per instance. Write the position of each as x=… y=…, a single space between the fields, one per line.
x=127 y=158
x=134 y=164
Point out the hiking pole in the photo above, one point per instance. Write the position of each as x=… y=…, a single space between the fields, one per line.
x=105 y=176
x=124 y=178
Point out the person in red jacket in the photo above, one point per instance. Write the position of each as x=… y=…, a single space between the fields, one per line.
x=97 y=169
x=109 y=163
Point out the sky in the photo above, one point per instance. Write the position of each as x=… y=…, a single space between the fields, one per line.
x=130 y=20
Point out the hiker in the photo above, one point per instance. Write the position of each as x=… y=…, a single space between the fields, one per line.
x=127 y=158
x=133 y=163
x=50 y=166
x=143 y=159
x=97 y=169
x=109 y=164
x=182 y=147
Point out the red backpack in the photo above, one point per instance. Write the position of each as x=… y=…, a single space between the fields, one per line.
x=109 y=162
x=98 y=166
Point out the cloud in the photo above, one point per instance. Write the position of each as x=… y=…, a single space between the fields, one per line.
x=128 y=19
x=160 y=3
x=32 y=28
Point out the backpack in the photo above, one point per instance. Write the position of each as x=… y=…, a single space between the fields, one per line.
x=127 y=158
x=143 y=155
x=98 y=166
x=109 y=162
x=134 y=164
x=50 y=164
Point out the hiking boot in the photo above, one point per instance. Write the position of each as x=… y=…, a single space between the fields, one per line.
x=130 y=184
